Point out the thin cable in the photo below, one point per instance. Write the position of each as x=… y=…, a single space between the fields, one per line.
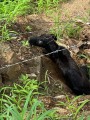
x=10 y=65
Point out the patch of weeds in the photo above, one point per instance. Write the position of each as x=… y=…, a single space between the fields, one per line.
x=82 y=117
x=43 y=5
x=73 y=107
x=25 y=43
x=65 y=0
x=21 y=102
x=86 y=17
x=59 y=32
x=72 y=30
x=9 y=10
x=88 y=65
x=69 y=29
x=44 y=85
x=18 y=92
x=35 y=112
x=28 y=28
x=47 y=4
x=83 y=56
x=57 y=29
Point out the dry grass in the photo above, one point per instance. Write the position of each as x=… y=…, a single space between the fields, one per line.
x=75 y=9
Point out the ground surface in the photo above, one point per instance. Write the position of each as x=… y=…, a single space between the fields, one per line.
x=39 y=24
x=76 y=9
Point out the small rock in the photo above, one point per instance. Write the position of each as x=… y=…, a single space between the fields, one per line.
x=60 y=97
x=61 y=111
x=8 y=57
x=88 y=23
x=14 y=67
x=32 y=76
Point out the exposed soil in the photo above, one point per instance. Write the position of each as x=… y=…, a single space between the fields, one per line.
x=76 y=9
x=40 y=24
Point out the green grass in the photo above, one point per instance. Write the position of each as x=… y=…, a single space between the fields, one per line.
x=8 y=13
x=48 y=4
x=72 y=106
x=62 y=29
x=25 y=43
x=10 y=10
x=27 y=113
x=21 y=102
x=43 y=5
x=82 y=117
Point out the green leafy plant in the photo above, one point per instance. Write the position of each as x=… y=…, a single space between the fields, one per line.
x=82 y=117
x=72 y=30
x=28 y=28
x=34 y=113
x=21 y=102
x=25 y=43
x=19 y=92
x=69 y=29
x=9 y=10
x=44 y=5
x=83 y=56
x=73 y=108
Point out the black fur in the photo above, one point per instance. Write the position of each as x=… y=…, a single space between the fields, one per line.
x=74 y=77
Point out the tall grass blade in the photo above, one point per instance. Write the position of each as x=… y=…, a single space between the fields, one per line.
x=26 y=103
x=81 y=106
x=33 y=110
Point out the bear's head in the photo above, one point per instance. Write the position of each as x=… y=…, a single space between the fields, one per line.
x=42 y=40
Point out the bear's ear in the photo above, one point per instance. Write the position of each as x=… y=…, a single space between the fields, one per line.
x=54 y=36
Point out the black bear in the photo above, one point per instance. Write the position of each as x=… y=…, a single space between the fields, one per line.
x=74 y=76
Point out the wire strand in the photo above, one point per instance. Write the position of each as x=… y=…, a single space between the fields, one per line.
x=10 y=65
